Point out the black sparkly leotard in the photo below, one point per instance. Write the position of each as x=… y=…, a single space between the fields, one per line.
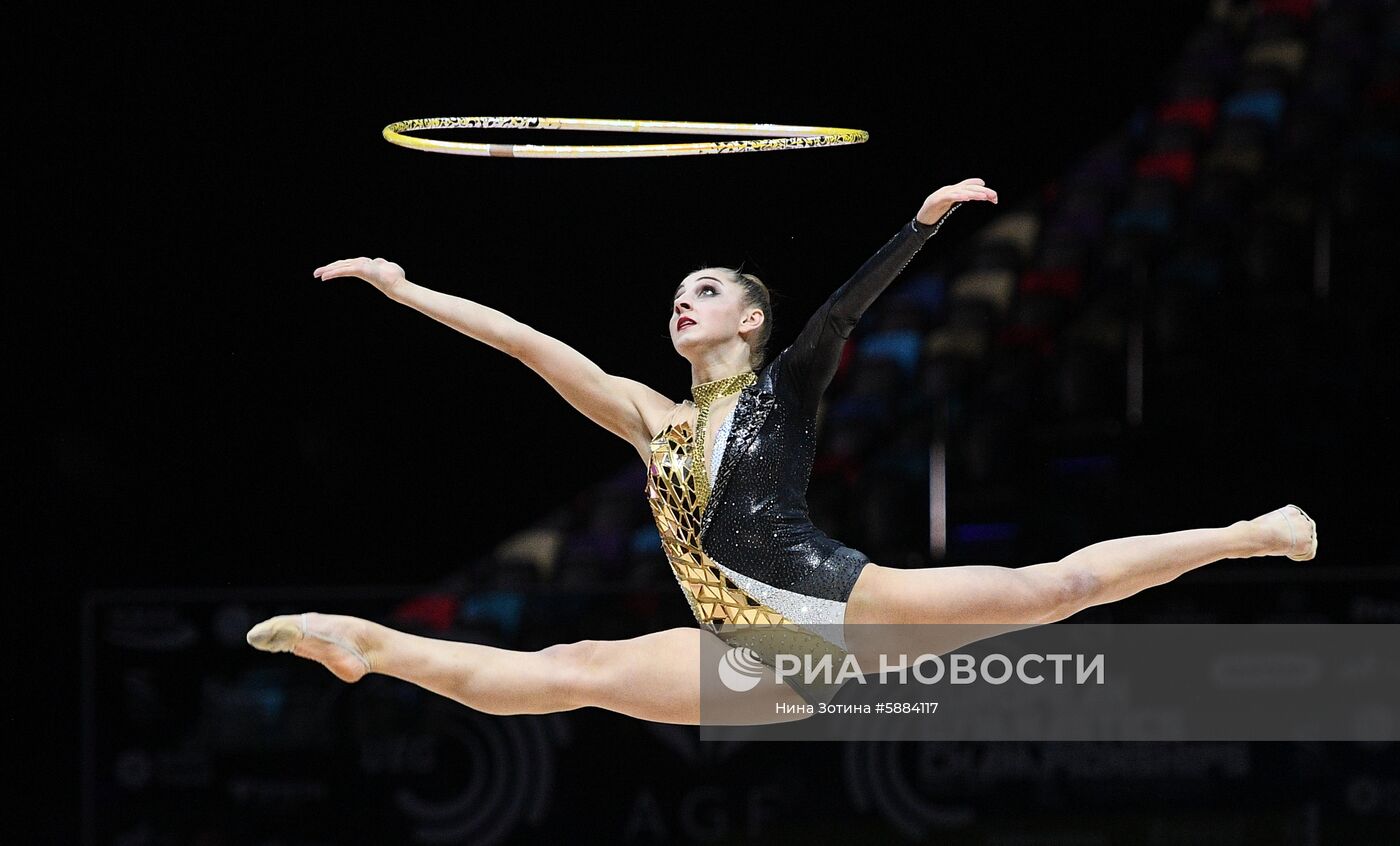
x=755 y=570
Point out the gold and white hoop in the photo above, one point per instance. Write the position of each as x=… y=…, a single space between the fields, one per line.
x=755 y=137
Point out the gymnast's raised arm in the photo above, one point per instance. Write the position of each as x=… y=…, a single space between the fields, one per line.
x=623 y=406
x=811 y=360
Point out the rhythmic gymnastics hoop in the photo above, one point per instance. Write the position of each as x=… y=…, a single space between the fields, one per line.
x=761 y=137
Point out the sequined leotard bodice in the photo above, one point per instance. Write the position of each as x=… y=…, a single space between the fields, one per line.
x=753 y=567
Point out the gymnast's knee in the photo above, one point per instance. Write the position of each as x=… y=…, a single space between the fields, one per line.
x=572 y=670
x=1072 y=588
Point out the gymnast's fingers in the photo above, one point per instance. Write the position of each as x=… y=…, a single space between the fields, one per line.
x=335 y=263
x=335 y=267
x=340 y=268
x=340 y=272
x=965 y=196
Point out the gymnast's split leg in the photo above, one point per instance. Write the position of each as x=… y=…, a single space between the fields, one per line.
x=653 y=677
x=973 y=602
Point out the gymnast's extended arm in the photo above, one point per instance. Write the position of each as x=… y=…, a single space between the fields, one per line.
x=620 y=405
x=810 y=362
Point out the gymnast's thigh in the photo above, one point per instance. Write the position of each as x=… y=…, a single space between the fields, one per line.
x=657 y=677
x=936 y=610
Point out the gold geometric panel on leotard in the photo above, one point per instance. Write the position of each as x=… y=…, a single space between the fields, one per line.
x=713 y=596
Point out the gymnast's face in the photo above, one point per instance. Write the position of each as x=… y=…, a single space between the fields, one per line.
x=709 y=309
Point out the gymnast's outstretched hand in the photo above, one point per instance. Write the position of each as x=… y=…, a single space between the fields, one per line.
x=382 y=274
x=940 y=201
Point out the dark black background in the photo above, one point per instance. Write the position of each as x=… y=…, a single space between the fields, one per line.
x=205 y=413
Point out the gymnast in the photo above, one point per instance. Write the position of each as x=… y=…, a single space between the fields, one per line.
x=727 y=473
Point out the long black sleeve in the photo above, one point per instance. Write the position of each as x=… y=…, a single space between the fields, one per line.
x=810 y=362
